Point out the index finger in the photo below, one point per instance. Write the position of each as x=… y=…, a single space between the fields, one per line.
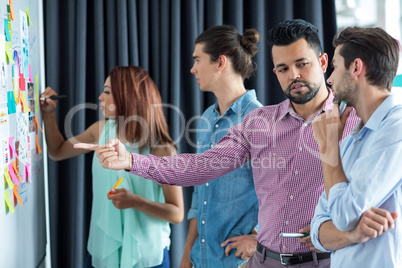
x=91 y=146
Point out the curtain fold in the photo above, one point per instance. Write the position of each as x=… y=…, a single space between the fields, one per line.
x=84 y=39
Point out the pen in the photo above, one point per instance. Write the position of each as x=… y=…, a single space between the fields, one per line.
x=116 y=185
x=293 y=235
x=342 y=107
x=54 y=97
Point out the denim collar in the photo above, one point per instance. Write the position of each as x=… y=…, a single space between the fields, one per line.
x=241 y=104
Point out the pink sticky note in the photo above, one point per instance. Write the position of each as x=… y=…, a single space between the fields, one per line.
x=30 y=74
x=12 y=174
x=11 y=145
x=27 y=175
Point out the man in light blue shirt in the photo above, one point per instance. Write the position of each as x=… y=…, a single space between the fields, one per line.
x=226 y=209
x=365 y=172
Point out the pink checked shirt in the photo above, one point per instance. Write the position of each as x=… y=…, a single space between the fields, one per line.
x=280 y=147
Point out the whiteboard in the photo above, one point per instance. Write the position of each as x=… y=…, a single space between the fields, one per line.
x=22 y=232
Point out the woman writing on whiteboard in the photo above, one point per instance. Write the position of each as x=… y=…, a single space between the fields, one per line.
x=130 y=227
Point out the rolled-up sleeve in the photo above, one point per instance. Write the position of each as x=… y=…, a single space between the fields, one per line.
x=320 y=216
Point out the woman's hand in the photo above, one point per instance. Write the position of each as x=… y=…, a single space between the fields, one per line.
x=123 y=198
x=48 y=105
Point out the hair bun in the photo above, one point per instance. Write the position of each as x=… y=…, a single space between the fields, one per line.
x=249 y=41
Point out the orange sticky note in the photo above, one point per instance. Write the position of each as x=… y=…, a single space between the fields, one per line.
x=15 y=190
x=12 y=10
x=8 y=202
x=16 y=171
x=37 y=123
x=37 y=145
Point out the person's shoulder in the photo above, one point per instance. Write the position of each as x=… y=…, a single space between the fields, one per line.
x=164 y=150
x=268 y=111
x=96 y=128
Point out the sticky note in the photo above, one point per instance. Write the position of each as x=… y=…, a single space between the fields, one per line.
x=37 y=123
x=37 y=145
x=27 y=175
x=24 y=102
x=6 y=30
x=8 y=179
x=22 y=83
x=11 y=103
x=30 y=74
x=8 y=202
x=11 y=145
x=16 y=171
x=12 y=10
x=398 y=81
x=12 y=174
x=28 y=17
x=9 y=55
x=15 y=190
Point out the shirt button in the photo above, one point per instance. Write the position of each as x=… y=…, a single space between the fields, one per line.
x=198 y=142
x=207 y=184
x=217 y=125
x=300 y=149
x=284 y=246
x=305 y=124
x=291 y=197
x=212 y=145
x=286 y=222
x=203 y=240
x=205 y=202
x=296 y=172
x=203 y=222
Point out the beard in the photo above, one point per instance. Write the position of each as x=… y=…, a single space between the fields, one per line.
x=299 y=97
x=345 y=90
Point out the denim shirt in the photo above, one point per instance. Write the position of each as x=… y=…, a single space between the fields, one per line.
x=227 y=206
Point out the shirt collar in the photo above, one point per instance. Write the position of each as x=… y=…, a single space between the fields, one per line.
x=241 y=104
x=381 y=112
x=286 y=107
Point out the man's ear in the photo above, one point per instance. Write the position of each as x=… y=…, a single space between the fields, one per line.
x=324 y=61
x=222 y=62
x=358 y=67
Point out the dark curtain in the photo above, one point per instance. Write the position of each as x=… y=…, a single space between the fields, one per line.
x=84 y=39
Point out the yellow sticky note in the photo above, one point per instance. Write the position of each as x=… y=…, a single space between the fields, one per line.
x=8 y=178
x=24 y=102
x=8 y=202
x=9 y=48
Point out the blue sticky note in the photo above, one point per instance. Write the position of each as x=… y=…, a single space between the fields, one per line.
x=11 y=102
x=6 y=30
x=398 y=81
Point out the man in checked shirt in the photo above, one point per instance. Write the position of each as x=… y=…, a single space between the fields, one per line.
x=277 y=141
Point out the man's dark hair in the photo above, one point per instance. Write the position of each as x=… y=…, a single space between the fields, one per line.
x=287 y=32
x=375 y=47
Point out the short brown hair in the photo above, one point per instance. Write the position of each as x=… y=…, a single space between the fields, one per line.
x=375 y=47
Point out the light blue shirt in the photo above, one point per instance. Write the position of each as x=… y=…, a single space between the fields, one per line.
x=371 y=159
x=227 y=206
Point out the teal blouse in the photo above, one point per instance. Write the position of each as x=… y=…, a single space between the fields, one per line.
x=127 y=237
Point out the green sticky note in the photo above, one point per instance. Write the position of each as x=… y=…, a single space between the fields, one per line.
x=9 y=17
x=28 y=17
x=37 y=95
x=398 y=81
x=8 y=8
x=8 y=202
